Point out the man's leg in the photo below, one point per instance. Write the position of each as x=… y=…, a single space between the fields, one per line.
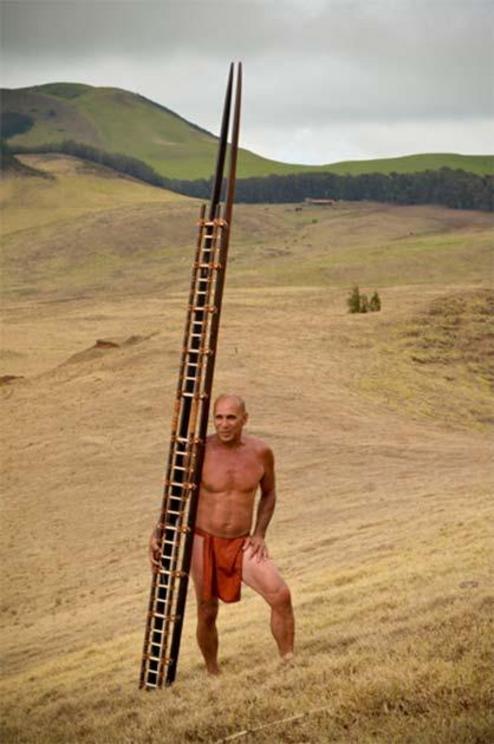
x=265 y=579
x=207 y=611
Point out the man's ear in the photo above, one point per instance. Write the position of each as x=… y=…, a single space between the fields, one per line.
x=246 y=417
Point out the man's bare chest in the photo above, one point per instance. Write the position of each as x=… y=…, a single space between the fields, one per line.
x=231 y=471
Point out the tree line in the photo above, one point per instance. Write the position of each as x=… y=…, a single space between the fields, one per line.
x=449 y=187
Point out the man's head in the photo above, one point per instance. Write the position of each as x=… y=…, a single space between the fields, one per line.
x=230 y=416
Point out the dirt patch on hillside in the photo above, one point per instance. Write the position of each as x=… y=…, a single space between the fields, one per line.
x=102 y=347
x=54 y=164
x=8 y=379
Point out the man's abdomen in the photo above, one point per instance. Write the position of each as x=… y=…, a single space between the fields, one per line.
x=225 y=514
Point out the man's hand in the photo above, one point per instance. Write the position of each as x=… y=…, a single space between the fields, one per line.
x=258 y=547
x=154 y=552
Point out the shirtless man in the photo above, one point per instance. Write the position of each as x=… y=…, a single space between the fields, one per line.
x=234 y=466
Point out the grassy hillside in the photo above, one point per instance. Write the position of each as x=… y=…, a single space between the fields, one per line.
x=74 y=188
x=382 y=429
x=119 y=121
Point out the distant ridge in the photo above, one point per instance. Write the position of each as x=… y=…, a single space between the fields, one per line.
x=479 y=164
x=118 y=121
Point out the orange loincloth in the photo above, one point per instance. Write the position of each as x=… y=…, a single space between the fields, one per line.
x=222 y=566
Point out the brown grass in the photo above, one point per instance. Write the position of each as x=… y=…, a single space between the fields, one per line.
x=384 y=523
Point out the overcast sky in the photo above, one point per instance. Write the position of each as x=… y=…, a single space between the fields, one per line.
x=324 y=80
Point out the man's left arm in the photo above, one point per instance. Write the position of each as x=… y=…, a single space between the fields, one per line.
x=265 y=508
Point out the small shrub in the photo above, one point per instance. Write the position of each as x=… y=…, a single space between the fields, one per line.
x=359 y=303
x=353 y=300
x=375 y=303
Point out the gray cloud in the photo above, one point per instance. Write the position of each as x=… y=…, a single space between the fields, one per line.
x=315 y=67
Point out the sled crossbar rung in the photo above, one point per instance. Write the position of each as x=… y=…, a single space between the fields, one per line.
x=203 y=308
x=188 y=486
x=169 y=542
x=201 y=352
x=176 y=574
x=182 y=501
x=197 y=396
x=170 y=618
x=155 y=613
x=208 y=265
x=158 y=631
x=217 y=221
x=163 y=572
x=181 y=528
x=156 y=658
x=181 y=505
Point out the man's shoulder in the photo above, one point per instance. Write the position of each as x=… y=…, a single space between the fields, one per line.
x=261 y=447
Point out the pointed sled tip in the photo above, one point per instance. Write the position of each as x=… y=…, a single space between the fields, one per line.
x=239 y=76
x=229 y=82
x=230 y=191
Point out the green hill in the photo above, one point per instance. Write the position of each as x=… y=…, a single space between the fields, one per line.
x=118 y=121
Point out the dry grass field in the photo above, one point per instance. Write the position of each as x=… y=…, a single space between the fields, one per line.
x=382 y=430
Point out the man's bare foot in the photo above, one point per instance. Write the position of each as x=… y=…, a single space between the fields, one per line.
x=213 y=670
x=287 y=658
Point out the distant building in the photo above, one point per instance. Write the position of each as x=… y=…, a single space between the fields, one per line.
x=320 y=202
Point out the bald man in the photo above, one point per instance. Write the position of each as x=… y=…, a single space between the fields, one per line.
x=226 y=550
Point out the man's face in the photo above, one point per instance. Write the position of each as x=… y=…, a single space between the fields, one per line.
x=229 y=420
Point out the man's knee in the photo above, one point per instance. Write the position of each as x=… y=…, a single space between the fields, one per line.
x=282 y=599
x=207 y=611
